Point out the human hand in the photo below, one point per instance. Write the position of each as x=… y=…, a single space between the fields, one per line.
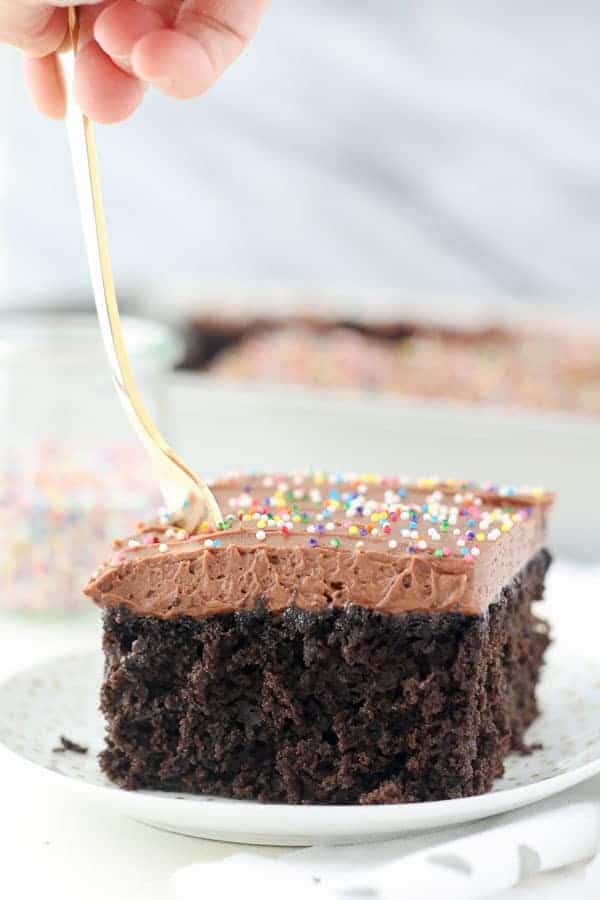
x=180 y=47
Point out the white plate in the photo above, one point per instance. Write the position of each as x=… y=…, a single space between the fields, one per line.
x=61 y=697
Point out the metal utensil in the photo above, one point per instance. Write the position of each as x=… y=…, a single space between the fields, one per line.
x=186 y=495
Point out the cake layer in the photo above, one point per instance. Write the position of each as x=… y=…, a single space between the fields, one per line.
x=317 y=542
x=343 y=705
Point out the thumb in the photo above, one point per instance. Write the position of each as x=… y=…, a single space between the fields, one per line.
x=186 y=58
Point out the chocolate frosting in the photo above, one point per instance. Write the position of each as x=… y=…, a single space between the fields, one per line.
x=314 y=542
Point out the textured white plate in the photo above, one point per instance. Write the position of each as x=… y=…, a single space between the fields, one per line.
x=61 y=696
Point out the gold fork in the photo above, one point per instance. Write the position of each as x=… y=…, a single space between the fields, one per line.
x=187 y=497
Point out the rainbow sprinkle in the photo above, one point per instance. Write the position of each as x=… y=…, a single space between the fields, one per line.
x=356 y=512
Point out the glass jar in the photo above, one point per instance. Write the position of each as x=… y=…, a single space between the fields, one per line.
x=72 y=473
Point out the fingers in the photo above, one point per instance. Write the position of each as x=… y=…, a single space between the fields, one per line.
x=203 y=38
x=180 y=48
x=43 y=78
x=104 y=91
x=37 y=30
x=174 y=63
x=121 y=25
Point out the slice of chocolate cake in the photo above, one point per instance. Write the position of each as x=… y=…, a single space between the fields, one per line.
x=348 y=639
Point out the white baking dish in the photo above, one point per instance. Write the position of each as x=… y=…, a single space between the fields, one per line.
x=228 y=425
x=221 y=426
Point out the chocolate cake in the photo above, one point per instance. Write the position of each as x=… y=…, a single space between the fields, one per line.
x=339 y=639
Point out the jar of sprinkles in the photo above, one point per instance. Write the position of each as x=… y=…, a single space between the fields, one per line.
x=72 y=474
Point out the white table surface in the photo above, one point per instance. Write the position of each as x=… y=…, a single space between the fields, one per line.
x=57 y=845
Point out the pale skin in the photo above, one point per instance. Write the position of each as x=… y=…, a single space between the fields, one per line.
x=180 y=47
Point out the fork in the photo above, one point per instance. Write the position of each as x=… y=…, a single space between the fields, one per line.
x=187 y=497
